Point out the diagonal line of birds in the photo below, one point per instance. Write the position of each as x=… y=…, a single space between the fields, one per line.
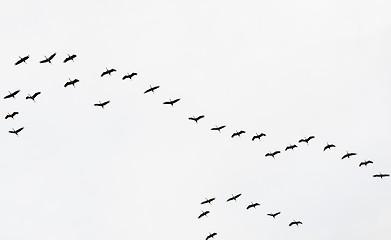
x=196 y=119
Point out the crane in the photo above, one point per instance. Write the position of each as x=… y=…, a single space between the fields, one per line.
x=381 y=175
x=328 y=146
x=22 y=59
x=203 y=214
x=294 y=222
x=306 y=140
x=33 y=96
x=12 y=115
x=258 y=136
x=273 y=214
x=196 y=119
x=365 y=163
x=252 y=205
x=292 y=147
x=108 y=71
x=211 y=235
x=216 y=128
x=129 y=76
x=12 y=94
x=71 y=82
x=234 y=197
x=100 y=104
x=16 y=131
x=171 y=102
x=151 y=89
x=69 y=58
x=208 y=200
x=237 y=133
x=272 y=154
x=48 y=59
x=348 y=155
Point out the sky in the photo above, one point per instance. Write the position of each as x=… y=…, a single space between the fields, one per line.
x=140 y=169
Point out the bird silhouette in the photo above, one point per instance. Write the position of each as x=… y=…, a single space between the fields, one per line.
x=234 y=197
x=196 y=119
x=203 y=214
x=252 y=205
x=100 y=104
x=328 y=146
x=237 y=133
x=12 y=94
x=211 y=235
x=12 y=115
x=22 y=59
x=129 y=76
x=151 y=89
x=69 y=58
x=295 y=223
x=273 y=214
x=258 y=136
x=16 y=132
x=33 y=96
x=208 y=200
x=272 y=154
x=365 y=163
x=381 y=175
x=292 y=147
x=217 y=128
x=306 y=140
x=108 y=71
x=71 y=82
x=171 y=102
x=348 y=155
x=48 y=59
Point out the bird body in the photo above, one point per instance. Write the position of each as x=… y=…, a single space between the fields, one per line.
x=108 y=71
x=272 y=154
x=273 y=214
x=258 y=136
x=12 y=94
x=348 y=155
x=23 y=59
x=100 y=104
x=217 y=128
x=381 y=175
x=211 y=235
x=71 y=82
x=208 y=200
x=151 y=89
x=171 y=102
x=237 y=133
x=196 y=119
x=203 y=214
x=16 y=131
x=69 y=58
x=328 y=146
x=252 y=205
x=365 y=163
x=306 y=140
x=49 y=59
x=292 y=147
x=33 y=96
x=12 y=115
x=129 y=76
x=295 y=223
x=234 y=197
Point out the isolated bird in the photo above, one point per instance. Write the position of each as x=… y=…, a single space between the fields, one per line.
x=151 y=89
x=273 y=214
x=365 y=163
x=252 y=205
x=12 y=115
x=211 y=235
x=12 y=94
x=33 y=96
x=328 y=146
x=237 y=133
x=69 y=58
x=171 y=102
x=272 y=154
x=348 y=155
x=381 y=175
x=208 y=200
x=292 y=147
x=234 y=197
x=129 y=76
x=217 y=128
x=108 y=71
x=295 y=223
x=306 y=140
x=16 y=131
x=100 y=104
x=203 y=214
x=195 y=119
x=22 y=59
x=258 y=136
x=71 y=82
x=49 y=59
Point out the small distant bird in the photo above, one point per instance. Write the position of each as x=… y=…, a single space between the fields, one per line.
x=252 y=205
x=273 y=214
x=237 y=133
x=258 y=136
x=381 y=175
x=22 y=59
x=234 y=197
x=292 y=147
x=129 y=76
x=151 y=89
x=203 y=214
x=196 y=119
x=12 y=94
x=12 y=115
x=171 y=102
x=217 y=128
x=100 y=104
x=295 y=223
x=48 y=59
x=33 y=96
x=272 y=154
x=306 y=140
x=208 y=200
x=328 y=146
x=211 y=235
x=71 y=82
x=69 y=58
x=365 y=163
x=16 y=131
x=108 y=71
x=348 y=155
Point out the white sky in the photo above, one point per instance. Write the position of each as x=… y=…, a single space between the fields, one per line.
x=139 y=169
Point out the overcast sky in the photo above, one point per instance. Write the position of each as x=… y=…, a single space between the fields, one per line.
x=138 y=169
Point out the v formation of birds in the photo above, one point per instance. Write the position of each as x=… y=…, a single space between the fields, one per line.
x=196 y=119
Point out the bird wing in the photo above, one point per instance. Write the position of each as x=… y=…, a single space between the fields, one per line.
x=176 y=100
x=52 y=56
x=301 y=140
x=104 y=73
x=255 y=137
x=44 y=61
x=107 y=102
x=345 y=156
x=361 y=163
x=369 y=161
x=249 y=206
x=67 y=84
x=125 y=77
x=36 y=94
x=276 y=152
x=98 y=104
x=290 y=224
x=8 y=116
x=376 y=175
x=20 y=129
x=310 y=137
x=268 y=154
x=19 y=61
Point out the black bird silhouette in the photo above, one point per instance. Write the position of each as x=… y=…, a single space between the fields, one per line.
x=234 y=197
x=195 y=119
x=33 y=96
x=151 y=89
x=365 y=163
x=203 y=214
x=49 y=59
x=237 y=133
x=71 y=82
x=100 y=104
x=208 y=200
x=171 y=102
x=328 y=146
x=12 y=115
x=22 y=59
x=12 y=94
x=252 y=205
x=16 y=131
x=217 y=128
x=258 y=136
x=381 y=175
x=273 y=214
x=295 y=223
x=211 y=235
x=292 y=147
x=306 y=140
x=272 y=154
x=348 y=155
x=69 y=58
x=129 y=76
x=108 y=71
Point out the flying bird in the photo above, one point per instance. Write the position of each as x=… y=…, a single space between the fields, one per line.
x=129 y=76
x=108 y=71
x=100 y=104
x=328 y=146
x=33 y=96
x=295 y=223
x=237 y=133
x=171 y=102
x=258 y=136
x=208 y=200
x=211 y=235
x=12 y=94
x=196 y=119
x=272 y=154
x=273 y=214
x=71 y=82
x=234 y=197
x=217 y=128
x=348 y=155
x=16 y=131
x=12 y=115
x=365 y=163
x=69 y=58
x=252 y=205
x=306 y=140
x=292 y=147
x=203 y=214
x=22 y=59
x=381 y=175
x=49 y=59
x=151 y=89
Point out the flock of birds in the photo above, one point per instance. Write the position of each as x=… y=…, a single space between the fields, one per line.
x=196 y=119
